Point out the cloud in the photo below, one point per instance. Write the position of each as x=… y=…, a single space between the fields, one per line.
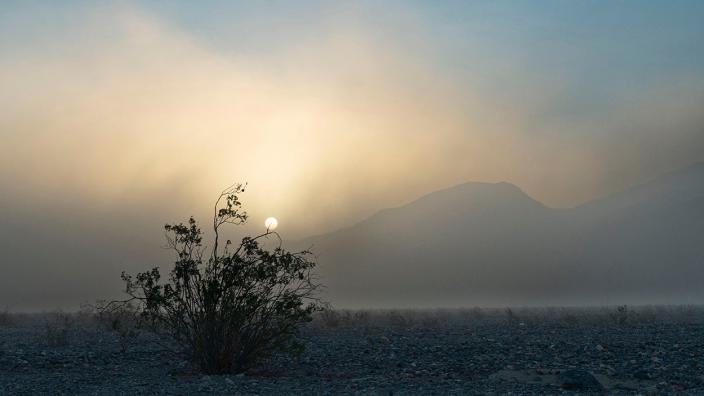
x=123 y=106
x=114 y=121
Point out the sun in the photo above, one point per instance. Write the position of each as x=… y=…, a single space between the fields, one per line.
x=271 y=223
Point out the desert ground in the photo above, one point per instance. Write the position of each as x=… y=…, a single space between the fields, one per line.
x=621 y=350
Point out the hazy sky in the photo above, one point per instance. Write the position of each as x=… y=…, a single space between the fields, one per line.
x=118 y=117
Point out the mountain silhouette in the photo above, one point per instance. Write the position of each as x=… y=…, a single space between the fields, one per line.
x=492 y=244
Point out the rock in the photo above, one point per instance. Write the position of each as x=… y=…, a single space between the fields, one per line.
x=642 y=375
x=578 y=379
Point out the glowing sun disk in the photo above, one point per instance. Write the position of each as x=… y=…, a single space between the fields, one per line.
x=271 y=223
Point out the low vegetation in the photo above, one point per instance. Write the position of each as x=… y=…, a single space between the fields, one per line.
x=606 y=316
x=122 y=319
x=59 y=328
x=229 y=305
x=437 y=351
x=6 y=317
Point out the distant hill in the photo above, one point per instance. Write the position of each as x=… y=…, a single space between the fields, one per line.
x=491 y=244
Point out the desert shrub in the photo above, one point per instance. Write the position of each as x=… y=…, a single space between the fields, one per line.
x=569 y=318
x=549 y=313
x=475 y=313
x=662 y=313
x=228 y=306
x=646 y=314
x=58 y=328
x=430 y=318
x=345 y=316
x=620 y=315
x=687 y=313
x=330 y=317
x=122 y=319
x=401 y=319
x=511 y=317
x=6 y=318
x=361 y=317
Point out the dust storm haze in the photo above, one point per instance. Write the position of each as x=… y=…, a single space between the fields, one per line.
x=116 y=119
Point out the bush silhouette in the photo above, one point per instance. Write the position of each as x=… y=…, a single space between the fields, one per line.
x=228 y=306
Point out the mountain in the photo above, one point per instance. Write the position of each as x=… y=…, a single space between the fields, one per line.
x=649 y=238
x=491 y=244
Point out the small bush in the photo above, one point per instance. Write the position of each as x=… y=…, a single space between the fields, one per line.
x=620 y=315
x=228 y=306
x=6 y=318
x=361 y=317
x=400 y=319
x=58 y=328
x=511 y=317
x=476 y=313
x=122 y=319
x=330 y=317
x=570 y=318
x=646 y=314
x=432 y=318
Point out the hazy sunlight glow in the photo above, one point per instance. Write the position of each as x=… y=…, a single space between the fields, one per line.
x=271 y=223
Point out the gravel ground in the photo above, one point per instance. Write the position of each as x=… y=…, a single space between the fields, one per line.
x=650 y=350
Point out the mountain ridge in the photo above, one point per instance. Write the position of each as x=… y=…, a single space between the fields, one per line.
x=506 y=186
x=481 y=241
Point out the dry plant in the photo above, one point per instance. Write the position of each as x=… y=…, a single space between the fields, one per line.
x=402 y=319
x=122 y=319
x=330 y=317
x=59 y=327
x=361 y=317
x=6 y=317
x=476 y=313
x=432 y=318
x=228 y=306
x=621 y=315
x=511 y=317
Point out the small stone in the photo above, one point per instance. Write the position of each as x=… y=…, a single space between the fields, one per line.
x=642 y=375
x=578 y=379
